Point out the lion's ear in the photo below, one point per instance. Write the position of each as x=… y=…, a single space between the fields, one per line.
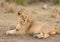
x=20 y=11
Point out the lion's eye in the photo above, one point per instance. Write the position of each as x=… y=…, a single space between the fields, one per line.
x=17 y=30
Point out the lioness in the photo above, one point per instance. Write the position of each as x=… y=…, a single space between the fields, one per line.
x=36 y=28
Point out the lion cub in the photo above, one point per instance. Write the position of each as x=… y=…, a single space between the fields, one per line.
x=27 y=26
x=23 y=25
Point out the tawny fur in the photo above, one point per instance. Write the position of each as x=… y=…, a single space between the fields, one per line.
x=28 y=26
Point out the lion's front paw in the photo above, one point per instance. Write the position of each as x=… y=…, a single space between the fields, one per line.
x=10 y=32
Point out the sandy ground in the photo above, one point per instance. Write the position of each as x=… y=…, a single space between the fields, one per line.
x=9 y=21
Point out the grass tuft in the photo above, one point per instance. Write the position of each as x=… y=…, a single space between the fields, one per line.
x=56 y=1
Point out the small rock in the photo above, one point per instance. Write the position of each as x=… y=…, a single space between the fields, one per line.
x=45 y=6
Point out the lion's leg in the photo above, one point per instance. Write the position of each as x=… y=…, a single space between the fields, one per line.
x=18 y=26
x=17 y=31
x=11 y=32
x=46 y=35
x=53 y=32
x=40 y=35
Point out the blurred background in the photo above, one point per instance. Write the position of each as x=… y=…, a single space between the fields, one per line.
x=24 y=2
